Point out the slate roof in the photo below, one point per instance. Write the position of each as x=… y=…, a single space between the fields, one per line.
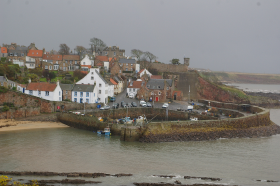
x=158 y=84
x=2 y=78
x=83 y=88
x=122 y=60
x=66 y=86
x=156 y=77
x=42 y=86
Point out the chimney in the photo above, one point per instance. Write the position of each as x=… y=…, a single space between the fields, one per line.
x=57 y=82
x=29 y=80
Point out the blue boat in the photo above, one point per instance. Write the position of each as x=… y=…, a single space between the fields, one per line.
x=106 y=132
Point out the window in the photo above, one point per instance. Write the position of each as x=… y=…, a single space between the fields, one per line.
x=81 y=100
x=39 y=93
x=126 y=64
x=158 y=86
x=81 y=94
x=66 y=91
x=91 y=77
x=159 y=93
x=84 y=63
x=130 y=89
x=46 y=67
x=75 y=93
x=18 y=89
x=56 y=62
x=105 y=53
x=59 y=93
x=131 y=69
x=167 y=88
x=50 y=67
x=75 y=62
x=75 y=99
x=99 y=84
x=99 y=91
x=66 y=61
x=47 y=93
x=31 y=92
x=87 y=100
x=126 y=69
x=131 y=64
x=134 y=90
x=1 y=83
x=63 y=64
x=120 y=71
x=87 y=94
x=114 y=53
x=65 y=97
x=71 y=62
x=93 y=94
x=148 y=86
x=91 y=72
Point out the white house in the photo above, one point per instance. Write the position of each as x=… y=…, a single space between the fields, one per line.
x=137 y=68
x=87 y=63
x=84 y=94
x=134 y=86
x=101 y=85
x=144 y=71
x=30 y=62
x=48 y=91
x=18 y=62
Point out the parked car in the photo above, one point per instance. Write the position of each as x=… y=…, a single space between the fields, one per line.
x=131 y=95
x=123 y=104
x=115 y=105
x=113 y=99
x=149 y=104
x=105 y=107
x=165 y=105
x=143 y=103
x=133 y=104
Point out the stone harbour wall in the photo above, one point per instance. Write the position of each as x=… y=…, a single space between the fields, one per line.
x=19 y=113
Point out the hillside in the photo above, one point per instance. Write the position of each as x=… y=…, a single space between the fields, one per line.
x=250 y=78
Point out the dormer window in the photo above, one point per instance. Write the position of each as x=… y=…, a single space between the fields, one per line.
x=158 y=86
x=148 y=86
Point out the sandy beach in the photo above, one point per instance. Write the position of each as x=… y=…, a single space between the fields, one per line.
x=12 y=125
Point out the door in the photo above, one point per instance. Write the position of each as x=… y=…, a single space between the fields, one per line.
x=174 y=96
x=23 y=90
x=81 y=100
x=156 y=98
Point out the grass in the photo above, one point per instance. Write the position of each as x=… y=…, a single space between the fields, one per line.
x=234 y=91
x=43 y=80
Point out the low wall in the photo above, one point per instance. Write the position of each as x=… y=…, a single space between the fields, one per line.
x=20 y=112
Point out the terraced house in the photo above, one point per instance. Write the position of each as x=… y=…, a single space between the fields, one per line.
x=84 y=93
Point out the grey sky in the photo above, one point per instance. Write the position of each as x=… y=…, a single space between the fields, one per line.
x=220 y=35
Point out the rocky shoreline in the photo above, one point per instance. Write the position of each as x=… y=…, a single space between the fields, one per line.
x=253 y=132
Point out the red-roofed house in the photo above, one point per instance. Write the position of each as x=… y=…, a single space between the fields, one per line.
x=35 y=53
x=99 y=60
x=116 y=88
x=134 y=86
x=48 y=91
x=3 y=52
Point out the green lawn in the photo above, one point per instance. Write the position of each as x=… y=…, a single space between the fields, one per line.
x=43 y=80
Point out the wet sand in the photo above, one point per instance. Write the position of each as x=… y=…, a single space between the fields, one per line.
x=12 y=125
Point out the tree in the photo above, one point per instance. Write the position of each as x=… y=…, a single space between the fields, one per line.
x=150 y=56
x=64 y=49
x=97 y=43
x=138 y=53
x=80 y=49
x=52 y=75
x=175 y=61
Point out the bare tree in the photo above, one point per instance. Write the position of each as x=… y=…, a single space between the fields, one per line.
x=138 y=53
x=80 y=49
x=150 y=56
x=97 y=43
x=64 y=49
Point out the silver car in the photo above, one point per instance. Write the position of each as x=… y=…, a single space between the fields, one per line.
x=105 y=107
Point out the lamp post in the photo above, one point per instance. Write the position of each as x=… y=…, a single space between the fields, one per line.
x=153 y=99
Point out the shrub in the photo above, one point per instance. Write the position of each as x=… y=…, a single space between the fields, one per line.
x=3 y=89
x=5 y=108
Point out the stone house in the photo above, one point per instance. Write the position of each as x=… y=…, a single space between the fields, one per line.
x=177 y=95
x=51 y=61
x=70 y=63
x=48 y=91
x=115 y=69
x=84 y=93
x=111 y=52
x=5 y=82
x=66 y=91
x=120 y=82
x=157 y=90
x=16 y=52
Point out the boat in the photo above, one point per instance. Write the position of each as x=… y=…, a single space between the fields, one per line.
x=194 y=119
x=141 y=118
x=106 y=132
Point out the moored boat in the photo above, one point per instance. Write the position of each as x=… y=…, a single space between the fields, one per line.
x=105 y=132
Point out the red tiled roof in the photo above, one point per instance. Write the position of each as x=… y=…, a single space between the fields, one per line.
x=178 y=92
x=71 y=57
x=99 y=64
x=22 y=85
x=84 y=72
x=102 y=58
x=141 y=71
x=136 y=84
x=112 y=81
x=112 y=58
x=52 y=57
x=3 y=50
x=42 y=86
x=156 y=77
x=35 y=53
x=89 y=66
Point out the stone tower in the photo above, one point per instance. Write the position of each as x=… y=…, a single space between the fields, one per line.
x=186 y=61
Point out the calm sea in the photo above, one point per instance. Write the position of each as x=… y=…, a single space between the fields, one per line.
x=235 y=161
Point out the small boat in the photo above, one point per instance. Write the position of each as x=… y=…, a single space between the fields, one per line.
x=194 y=119
x=106 y=132
x=141 y=118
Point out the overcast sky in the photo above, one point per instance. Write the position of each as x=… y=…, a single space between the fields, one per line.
x=236 y=35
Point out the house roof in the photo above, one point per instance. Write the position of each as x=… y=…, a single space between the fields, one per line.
x=156 y=77
x=66 y=86
x=89 y=66
x=141 y=71
x=100 y=76
x=158 y=84
x=83 y=88
x=112 y=58
x=102 y=58
x=71 y=57
x=42 y=86
x=177 y=92
x=2 y=78
x=52 y=57
x=112 y=81
x=99 y=64
x=4 y=50
x=122 y=60
x=35 y=53
x=135 y=84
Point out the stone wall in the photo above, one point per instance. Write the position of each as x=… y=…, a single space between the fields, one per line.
x=20 y=113
x=162 y=67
